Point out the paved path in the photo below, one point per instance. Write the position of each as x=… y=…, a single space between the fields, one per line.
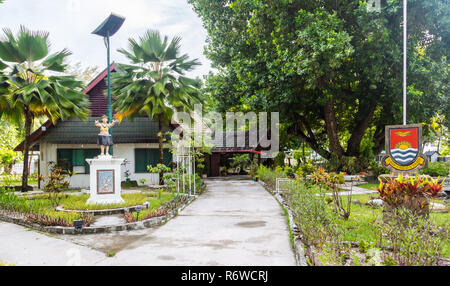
x=235 y=222
x=355 y=191
x=22 y=246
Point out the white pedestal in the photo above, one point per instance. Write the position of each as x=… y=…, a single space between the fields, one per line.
x=105 y=180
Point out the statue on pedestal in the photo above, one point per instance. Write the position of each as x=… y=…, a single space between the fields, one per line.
x=104 y=138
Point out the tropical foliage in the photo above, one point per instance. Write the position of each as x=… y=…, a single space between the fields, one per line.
x=412 y=193
x=364 y=237
x=437 y=169
x=333 y=70
x=154 y=84
x=31 y=85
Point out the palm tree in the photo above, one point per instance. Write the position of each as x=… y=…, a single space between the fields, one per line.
x=32 y=86
x=154 y=84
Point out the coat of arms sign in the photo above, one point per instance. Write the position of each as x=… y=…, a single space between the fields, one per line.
x=404 y=148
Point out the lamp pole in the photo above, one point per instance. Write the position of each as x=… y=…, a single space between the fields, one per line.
x=405 y=56
x=109 y=79
x=107 y=29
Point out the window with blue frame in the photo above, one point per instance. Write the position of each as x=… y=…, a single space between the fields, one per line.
x=74 y=160
x=149 y=157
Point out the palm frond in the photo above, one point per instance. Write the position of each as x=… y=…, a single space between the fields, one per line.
x=32 y=45
x=55 y=62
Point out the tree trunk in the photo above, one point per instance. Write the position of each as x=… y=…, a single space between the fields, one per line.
x=379 y=137
x=354 y=143
x=160 y=145
x=26 y=150
x=332 y=129
x=310 y=138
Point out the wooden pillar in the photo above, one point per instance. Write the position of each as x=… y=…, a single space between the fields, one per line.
x=215 y=165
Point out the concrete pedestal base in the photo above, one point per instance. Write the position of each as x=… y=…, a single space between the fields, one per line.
x=105 y=180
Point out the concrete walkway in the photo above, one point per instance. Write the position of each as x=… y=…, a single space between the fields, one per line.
x=235 y=222
x=355 y=190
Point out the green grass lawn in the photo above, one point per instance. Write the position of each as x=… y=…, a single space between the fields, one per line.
x=78 y=202
x=42 y=205
x=361 y=225
x=16 y=180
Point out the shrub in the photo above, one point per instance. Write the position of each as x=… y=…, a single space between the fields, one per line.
x=436 y=169
x=279 y=159
x=288 y=171
x=143 y=181
x=306 y=169
x=413 y=240
x=270 y=176
x=53 y=218
x=316 y=223
x=253 y=169
x=240 y=160
x=59 y=181
x=412 y=193
x=158 y=169
x=39 y=210
x=376 y=169
x=330 y=181
x=133 y=217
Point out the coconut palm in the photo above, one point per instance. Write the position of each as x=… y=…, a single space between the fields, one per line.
x=33 y=86
x=154 y=84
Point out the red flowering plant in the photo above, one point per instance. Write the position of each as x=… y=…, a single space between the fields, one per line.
x=412 y=193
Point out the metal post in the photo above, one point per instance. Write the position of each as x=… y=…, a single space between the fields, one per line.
x=109 y=86
x=405 y=57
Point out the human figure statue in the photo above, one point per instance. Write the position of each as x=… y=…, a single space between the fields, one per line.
x=104 y=138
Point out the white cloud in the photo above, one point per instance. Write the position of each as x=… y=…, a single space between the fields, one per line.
x=70 y=23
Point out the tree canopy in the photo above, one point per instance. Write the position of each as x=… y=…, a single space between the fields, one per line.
x=30 y=84
x=333 y=69
x=154 y=85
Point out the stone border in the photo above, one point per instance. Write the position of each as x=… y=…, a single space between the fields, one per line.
x=151 y=222
x=299 y=250
x=146 y=205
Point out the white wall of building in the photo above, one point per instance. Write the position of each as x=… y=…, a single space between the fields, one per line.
x=126 y=151
x=434 y=157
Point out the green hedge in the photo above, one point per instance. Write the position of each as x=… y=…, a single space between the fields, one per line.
x=436 y=169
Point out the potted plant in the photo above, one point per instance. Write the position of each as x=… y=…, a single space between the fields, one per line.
x=127 y=175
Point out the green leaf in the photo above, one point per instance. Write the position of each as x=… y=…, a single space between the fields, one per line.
x=32 y=45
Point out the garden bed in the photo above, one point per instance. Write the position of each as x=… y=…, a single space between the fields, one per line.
x=56 y=213
x=147 y=223
x=101 y=212
x=362 y=239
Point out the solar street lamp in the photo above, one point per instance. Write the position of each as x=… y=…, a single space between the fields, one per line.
x=106 y=30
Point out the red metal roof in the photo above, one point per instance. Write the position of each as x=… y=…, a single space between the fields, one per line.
x=98 y=79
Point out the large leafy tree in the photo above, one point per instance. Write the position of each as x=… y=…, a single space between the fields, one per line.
x=154 y=85
x=32 y=85
x=333 y=69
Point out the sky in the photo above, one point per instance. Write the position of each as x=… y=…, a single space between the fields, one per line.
x=71 y=22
